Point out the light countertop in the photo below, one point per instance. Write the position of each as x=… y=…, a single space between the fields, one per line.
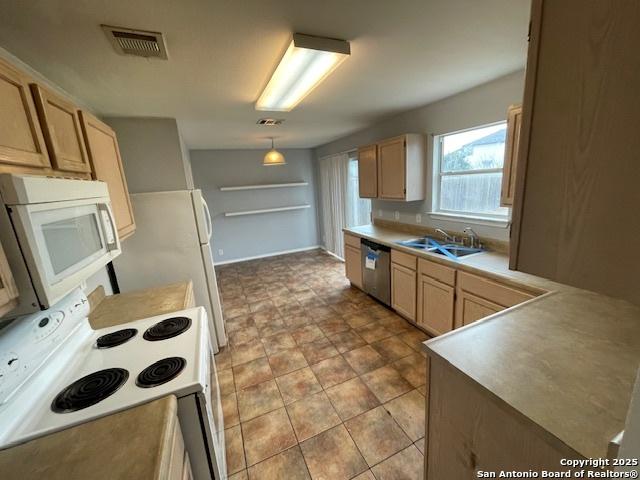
x=131 y=306
x=134 y=443
x=567 y=360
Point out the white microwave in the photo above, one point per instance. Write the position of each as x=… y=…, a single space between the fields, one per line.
x=56 y=233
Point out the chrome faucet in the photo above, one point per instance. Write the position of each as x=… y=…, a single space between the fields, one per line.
x=446 y=236
x=473 y=237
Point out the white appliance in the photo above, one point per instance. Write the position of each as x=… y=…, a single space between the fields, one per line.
x=56 y=233
x=56 y=372
x=172 y=244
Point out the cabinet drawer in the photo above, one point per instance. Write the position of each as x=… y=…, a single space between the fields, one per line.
x=439 y=272
x=491 y=290
x=404 y=259
x=352 y=241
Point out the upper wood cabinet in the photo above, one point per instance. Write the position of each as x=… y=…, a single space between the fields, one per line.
x=368 y=171
x=577 y=181
x=106 y=164
x=21 y=140
x=514 y=121
x=62 y=132
x=353 y=260
x=436 y=297
x=401 y=171
x=8 y=289
x=393 y=169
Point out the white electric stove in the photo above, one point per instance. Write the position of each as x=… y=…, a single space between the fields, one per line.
x=57 y=372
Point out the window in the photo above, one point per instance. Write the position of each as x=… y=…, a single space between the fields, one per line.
x=468 y=172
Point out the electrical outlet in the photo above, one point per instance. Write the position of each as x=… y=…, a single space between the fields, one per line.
x=396 y=215
x=418 y=218
x=379 y=213
x=220 y=252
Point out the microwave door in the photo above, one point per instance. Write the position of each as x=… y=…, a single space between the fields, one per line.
x=64 y=243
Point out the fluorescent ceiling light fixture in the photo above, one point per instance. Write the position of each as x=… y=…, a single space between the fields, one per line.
x=307 y=61
x=273 y=157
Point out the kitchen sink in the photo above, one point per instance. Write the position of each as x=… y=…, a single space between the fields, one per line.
x=451 y=250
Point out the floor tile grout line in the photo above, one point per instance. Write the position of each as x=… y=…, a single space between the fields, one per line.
x=313 y=320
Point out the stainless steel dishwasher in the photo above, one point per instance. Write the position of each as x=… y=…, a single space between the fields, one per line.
x=376 y=270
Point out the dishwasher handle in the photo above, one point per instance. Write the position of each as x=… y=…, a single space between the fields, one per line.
x=374 y=245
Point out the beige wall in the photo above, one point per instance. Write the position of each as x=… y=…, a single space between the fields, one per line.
x=481 y=105
x=153 y=154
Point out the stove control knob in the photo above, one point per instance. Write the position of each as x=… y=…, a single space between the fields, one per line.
x=45 y=326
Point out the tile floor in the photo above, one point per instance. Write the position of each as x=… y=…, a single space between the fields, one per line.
x=318 y=381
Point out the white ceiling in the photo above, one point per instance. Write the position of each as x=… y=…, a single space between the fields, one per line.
x=405 y=53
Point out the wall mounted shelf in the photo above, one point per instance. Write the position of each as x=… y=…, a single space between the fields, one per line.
x=260 y=187
x=266 y=210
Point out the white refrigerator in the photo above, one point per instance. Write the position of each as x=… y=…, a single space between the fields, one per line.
x=172 y=243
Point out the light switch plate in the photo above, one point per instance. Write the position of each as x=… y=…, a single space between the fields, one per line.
x=379 y=213
x=220 y=252
x=418 y=218
x=396 y=215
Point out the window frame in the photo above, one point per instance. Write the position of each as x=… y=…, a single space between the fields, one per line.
x=438 y=174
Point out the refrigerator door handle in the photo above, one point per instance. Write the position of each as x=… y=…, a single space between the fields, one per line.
x=207 y=218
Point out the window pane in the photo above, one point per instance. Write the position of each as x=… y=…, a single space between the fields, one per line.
x=474 y=149
x=477 y=193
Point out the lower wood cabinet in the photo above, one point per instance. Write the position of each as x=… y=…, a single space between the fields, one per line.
x=403 y=291
x=353 y=260
x=8 y=289
x=179 y=467
x=468 y=430
x=478 y=297
x=436 y=297
x=403 y=284
x=470 y=307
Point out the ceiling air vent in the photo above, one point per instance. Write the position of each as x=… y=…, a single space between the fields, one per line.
x=270 y=121
x=136 y=42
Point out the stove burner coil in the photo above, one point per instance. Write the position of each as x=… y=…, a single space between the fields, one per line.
x=161 y=372
x=169 y=328
x=114 y=339
x=89 y=390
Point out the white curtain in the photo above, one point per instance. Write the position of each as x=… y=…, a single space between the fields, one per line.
x=341 y=205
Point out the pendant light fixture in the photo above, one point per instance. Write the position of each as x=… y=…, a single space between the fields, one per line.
x=273 y=157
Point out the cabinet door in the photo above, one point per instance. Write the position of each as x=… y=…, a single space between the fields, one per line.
x=62 y=132
x=514 y=121
x=353 y=265
x=470 y=308
x=403 y=291
x=8 y=290
x=104 y=154
x=21 y=140
x=435 y=305
x=368 y=171
x=392 y=168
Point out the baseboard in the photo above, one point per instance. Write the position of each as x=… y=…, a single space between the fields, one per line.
x=266 y=255
x=322 y=247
